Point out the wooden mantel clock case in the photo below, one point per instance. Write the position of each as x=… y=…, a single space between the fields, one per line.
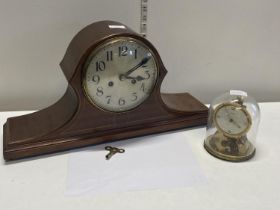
x=114 y=77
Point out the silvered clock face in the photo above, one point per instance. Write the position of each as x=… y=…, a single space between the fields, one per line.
x=232 y=119
x=120 y=75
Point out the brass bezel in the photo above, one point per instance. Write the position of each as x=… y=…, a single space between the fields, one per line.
x=95 y=51
x=236 y=105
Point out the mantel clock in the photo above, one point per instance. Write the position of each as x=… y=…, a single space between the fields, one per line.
x=114 y=77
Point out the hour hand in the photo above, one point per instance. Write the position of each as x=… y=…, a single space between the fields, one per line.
x=138 y=78
x=235 y=123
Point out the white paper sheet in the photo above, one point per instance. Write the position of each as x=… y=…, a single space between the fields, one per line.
x=151 y=162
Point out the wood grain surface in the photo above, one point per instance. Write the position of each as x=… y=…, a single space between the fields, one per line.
x=74 y=122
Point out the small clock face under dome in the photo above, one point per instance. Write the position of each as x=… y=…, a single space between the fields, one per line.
x=120 y=74
x=232 y=119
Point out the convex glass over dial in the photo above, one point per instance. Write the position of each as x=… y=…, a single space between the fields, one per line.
x=120 y=74
x=232 y=119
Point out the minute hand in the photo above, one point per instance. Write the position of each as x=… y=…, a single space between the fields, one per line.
x=142 y=62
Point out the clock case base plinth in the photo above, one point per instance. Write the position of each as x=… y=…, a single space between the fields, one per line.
x=44 y=132
x=74 y=122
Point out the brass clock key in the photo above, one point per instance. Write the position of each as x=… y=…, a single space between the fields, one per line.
x=112 y=151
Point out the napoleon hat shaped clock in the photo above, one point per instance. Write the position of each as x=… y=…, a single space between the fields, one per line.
x=114 y=77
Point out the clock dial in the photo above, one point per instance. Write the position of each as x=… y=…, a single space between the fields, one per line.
x=232 y=119
x=120 y=75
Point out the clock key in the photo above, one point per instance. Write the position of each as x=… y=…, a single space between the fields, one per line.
x=112 y=151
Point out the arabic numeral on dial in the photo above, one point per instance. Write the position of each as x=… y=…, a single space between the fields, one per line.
x=96 y=78
x=100 y=66
x=109 y=55
x=99 y=91
x=142 y=87
x=123 y=50
x=121 y=102
x=134 y=97
x=108 y=99
x=148 y=75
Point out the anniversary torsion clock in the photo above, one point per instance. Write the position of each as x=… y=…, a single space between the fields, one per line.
x=232 y=126
x=114 y=77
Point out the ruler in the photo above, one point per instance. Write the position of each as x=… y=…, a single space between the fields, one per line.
x=144 y=18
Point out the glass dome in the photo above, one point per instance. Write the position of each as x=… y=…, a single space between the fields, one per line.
x=232 y=126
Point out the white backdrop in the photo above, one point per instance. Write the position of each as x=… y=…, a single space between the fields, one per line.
x=207 y=46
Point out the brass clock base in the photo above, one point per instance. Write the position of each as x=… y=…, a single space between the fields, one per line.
x=225 y=148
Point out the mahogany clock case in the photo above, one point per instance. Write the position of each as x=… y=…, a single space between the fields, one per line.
x=74 y=122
